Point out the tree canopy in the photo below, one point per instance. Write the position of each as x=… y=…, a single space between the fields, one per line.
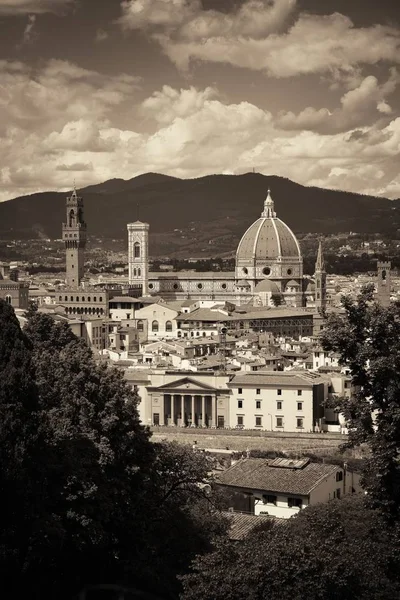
x=335 y=551
x=97 y=500
x=367 y=338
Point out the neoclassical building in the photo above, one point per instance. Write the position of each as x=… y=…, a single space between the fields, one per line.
x=268 y=271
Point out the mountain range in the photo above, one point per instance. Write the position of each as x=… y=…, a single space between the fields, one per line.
x=213 y=210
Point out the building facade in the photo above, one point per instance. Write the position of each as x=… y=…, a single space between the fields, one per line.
x=277 y=401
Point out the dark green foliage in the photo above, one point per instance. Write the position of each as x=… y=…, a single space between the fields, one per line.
x=19 y=441
x=367 y=338
x=92 y=500
x=335 y=551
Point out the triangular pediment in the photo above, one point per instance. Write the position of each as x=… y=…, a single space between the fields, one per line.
x=186 y=384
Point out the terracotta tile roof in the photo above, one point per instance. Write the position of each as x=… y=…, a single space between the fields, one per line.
x=242 y=524
x=258 y=474
x=271 y=378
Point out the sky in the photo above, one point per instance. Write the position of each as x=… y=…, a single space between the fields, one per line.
x=96 y=89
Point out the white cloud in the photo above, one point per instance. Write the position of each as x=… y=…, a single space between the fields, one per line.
x=60 y=122
x=254 y=37
x=26 y=7
x=29 y=31
x=359 y=106
x=166 y=105
x=255 y=18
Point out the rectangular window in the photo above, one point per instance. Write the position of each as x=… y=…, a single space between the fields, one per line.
x=279 y=421
x=338 y=492
x=240 y=403
x=298 y=502
x=279 y=392
x=300 y=406
x=299 y=423
x=268 y=499
x=258 y=391
x=258 y=403
x=279 y=405
x=258 y=421
x=240 y=421
x=339 y=476
x=316 y=354
x=240 y=391
x=299 y=392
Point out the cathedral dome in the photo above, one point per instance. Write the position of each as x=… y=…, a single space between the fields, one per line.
x=268 y=238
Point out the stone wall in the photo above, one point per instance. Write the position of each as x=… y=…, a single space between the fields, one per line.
x=254 y=440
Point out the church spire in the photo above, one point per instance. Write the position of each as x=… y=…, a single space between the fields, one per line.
x=268 y=207
x=320 y=264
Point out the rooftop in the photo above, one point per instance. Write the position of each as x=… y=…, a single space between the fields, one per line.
x=260 y=474
x=272 y=378
x=242 y=524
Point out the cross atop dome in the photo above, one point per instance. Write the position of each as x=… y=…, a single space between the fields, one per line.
x=268 y=207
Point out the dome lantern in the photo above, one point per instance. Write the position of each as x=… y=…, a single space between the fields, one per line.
x=268 y=207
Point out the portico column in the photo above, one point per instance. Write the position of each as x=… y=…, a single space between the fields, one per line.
x=172 y=409
x=214 y=411
x=193 y=417
x=182 y=410
x=203 y=411
x=162 y=410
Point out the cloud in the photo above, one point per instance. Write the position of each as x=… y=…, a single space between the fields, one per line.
x=30 y=7
x=101 y=35
x=255 y=37
x=359 y=106
x=29 y=31
x=62 y=121
x=166 y=105
x=75 y=167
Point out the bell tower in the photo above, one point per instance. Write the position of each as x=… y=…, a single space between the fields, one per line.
x=320 y=281
x=138 y=255
x=384 y=283
x=74 y=236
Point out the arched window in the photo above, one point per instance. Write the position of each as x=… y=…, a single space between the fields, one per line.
x=134 y=272
x=140 y=326
x=139 y=272
x=154 y=326
x=179 y=334
x=77 y=298
x=89 y=299
x=83 y=298
x=168 y=326
x=71 y=218
x=8 y=299
x=136 y=250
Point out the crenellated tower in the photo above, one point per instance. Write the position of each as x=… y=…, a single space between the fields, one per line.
x=384 y=282
x=74 y=236
x=320 y=280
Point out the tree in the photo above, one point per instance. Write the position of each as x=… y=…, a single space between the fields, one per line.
x=19 y=443
x=96 y=466
x=335 y=551
x=367 y=339
x=112 y=507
